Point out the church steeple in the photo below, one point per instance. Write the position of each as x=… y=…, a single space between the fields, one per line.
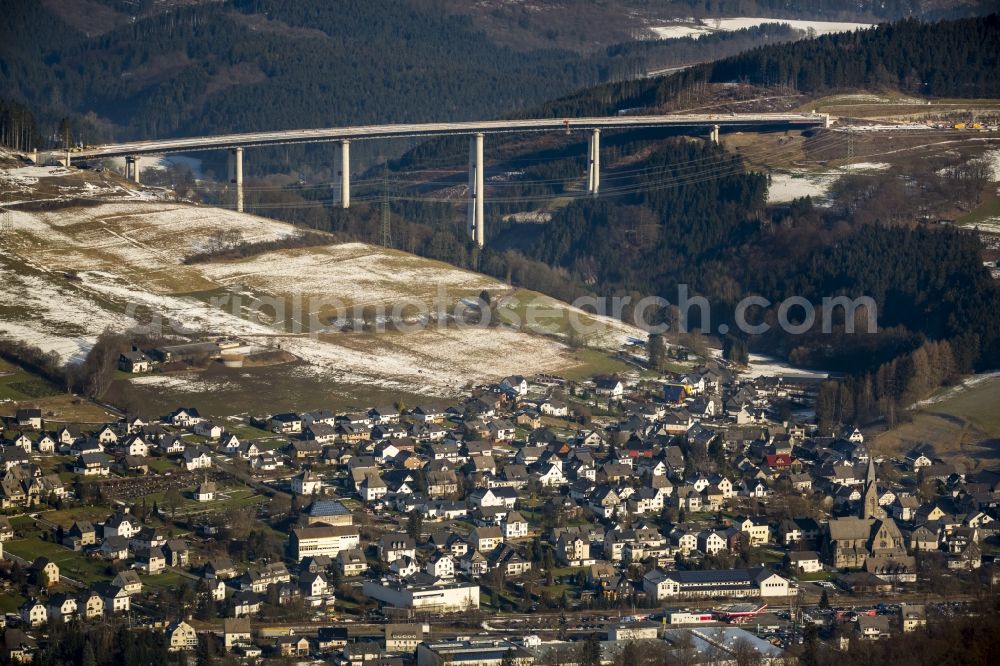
x=869 y=502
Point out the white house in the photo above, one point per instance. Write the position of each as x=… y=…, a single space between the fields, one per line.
x=441 y=565
x=805 y=561
x=307 y=483
x=609 y=387
x=514 y=526
x=196 y=458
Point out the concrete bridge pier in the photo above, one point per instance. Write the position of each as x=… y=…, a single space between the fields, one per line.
x=345 y=174
x=594 y=163
x=713 y=135
x=131 y=168
x=237 y=177
x=476 y=182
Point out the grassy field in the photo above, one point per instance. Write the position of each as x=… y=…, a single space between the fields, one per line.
x=895 y=106
x=21 y=386
x=593 y=362
x=963 y=425
x=66 y=517
x=988 y=210
x=10 y=602
x=977 y=406
x=220 y=392
x=116 y=255
x=72 y=564
x=165 y=581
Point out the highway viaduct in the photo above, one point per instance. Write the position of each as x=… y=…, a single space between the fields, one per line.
x=476 y=130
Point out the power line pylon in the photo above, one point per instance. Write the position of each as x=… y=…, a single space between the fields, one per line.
x=850 y=147
x=6 y=223
x=386 y=219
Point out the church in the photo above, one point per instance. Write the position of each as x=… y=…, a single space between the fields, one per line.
x=870 y=541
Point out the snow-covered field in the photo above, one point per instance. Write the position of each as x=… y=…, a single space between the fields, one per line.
x=962 y=387
x=788 y=187
x=820 y=27
x=54 y=183
x=695 y=28
x=146 y=241
x=353 y=274
x=73 y=271
x=678 y=31
x=161 y=162
x=990 y=224
x=191 y=382
x=767 y=366
x=867 y=166
x=993 y=156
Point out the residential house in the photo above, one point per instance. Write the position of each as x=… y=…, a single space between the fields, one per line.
x=92 y=464
x=514 y=526
x=196 y=458
x=116 y=600
x=912 y=616
x=61 y=606
x=181 y=636
x=89 y=604
x=129 y=581
x=872 y=627
x=285 y=424
x=134 y=361
x=44 y=572
x=485 y=539
x=610 y=387
x=352 y=562
x=151 y=560
x=235 y=632
x=34 y=613
x=804 y=561
x=307 y=483
x=394 y=545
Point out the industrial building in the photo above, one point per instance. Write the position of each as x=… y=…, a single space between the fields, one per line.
x=757 y=582
x=434 y=597
x=325 y=540
x=473 y=652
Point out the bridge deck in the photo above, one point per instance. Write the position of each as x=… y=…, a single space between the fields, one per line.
x=251 y=139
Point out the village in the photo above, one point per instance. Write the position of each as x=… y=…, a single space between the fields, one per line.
x=699 y=504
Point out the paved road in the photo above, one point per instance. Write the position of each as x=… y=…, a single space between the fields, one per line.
x=251 y=139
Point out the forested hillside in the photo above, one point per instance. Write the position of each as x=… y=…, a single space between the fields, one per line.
x=688 y=214
x=957 y=58
x=243 y=65
x=584 y=25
